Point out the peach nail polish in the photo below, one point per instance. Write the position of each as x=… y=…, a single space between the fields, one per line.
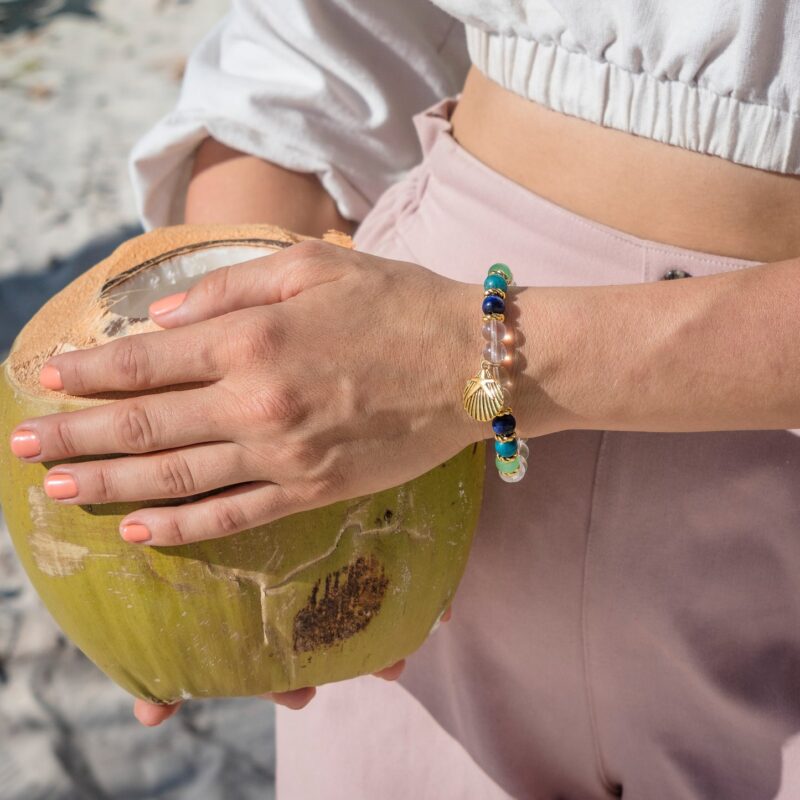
x=167 y=304
x=25 y=444
x=60 y=486
x=50 y=378
x=135 y=532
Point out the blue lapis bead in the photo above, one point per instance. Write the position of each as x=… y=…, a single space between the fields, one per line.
x=492 y=304
x=504 y=424
x=496 y=282
x=506 y=449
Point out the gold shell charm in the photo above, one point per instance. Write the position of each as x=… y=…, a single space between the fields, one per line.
x=483 y=395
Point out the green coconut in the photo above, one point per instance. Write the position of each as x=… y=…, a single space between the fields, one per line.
x=318 y=596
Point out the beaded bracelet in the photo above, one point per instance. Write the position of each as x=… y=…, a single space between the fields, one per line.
x=484 y=395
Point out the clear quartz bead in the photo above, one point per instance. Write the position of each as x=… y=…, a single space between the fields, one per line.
x=523 y=449
x=495 y=351
x=493 y=329
x=515 y=477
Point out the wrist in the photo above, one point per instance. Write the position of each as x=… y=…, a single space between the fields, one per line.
x=537 y=365
x=537 y=370
x=465 y=326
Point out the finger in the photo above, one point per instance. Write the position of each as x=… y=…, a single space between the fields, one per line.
x=234 y=510
x=183 y=472
x=151 y=714
x=261 y=281
x=142 y=361
x=296 y=699
x=391 y=673
x=135 y=425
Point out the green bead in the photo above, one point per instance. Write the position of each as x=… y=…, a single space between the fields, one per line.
x=506 y=449
x=501 y=269
x=495 y=282
x=507 y=466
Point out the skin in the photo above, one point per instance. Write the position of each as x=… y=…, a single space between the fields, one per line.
x=299 y=421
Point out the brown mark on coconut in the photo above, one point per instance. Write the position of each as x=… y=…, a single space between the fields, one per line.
x=351 y=597
x=355 y=524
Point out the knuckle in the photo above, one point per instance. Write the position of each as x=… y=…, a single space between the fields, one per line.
x=229 y=517
x=214 y=285
x=64 y=438
x=74 y=373
x=276 y=403
x=131 y=362
x=174 y=532
x=104 y=484
x=137 y=432
x=299 y=457
x=311 y=248
x=175 y=477
x=255 y=338
x=331 y=484
x=207 y=357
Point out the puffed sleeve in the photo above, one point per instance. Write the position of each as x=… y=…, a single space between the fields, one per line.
x=323 y=86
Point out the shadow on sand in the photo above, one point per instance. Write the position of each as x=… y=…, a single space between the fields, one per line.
x=29 y=14
x=22 y=295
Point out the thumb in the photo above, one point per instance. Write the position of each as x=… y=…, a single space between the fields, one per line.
x=260 y=281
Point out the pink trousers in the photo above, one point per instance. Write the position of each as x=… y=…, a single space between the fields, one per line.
x=629 y=621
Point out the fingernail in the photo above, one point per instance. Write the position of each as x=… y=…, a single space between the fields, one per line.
x=135 y=533
x=59 y=486
x=50 y=378
x=25 y=444
x=167 y=304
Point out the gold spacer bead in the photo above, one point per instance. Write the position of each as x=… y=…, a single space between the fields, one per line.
x=501 y=437
x=498 y=317
x=495 y=293
x=509 y=281
x=507 y=459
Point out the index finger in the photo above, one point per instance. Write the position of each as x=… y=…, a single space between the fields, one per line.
x=140 y=361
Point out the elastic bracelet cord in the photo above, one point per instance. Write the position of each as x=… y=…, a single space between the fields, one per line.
x=485 y=397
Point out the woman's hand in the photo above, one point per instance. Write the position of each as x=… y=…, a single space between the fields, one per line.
x=302 y=378
x=306 y=377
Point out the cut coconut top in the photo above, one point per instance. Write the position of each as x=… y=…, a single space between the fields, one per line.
x=112 y=299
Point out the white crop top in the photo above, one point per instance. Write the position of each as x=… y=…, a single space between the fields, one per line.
x=329 y=86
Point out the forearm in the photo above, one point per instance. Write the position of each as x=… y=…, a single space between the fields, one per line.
x=720 y=352
x=230 y=186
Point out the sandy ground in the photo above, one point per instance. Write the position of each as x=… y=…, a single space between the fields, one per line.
x=75 y=93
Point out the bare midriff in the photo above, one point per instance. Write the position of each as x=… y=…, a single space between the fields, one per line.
x=640 y=186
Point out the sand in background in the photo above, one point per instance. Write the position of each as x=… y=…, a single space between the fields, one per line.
x=75 y=94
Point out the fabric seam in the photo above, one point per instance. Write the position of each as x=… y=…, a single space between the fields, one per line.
x=411 y=212
x=453 y=23
x=611 y=787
